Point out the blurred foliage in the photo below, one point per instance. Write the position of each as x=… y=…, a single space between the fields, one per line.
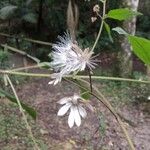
x=53 y=23
x=4 y=57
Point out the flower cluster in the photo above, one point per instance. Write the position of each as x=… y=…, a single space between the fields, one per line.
x=68 y=57
x=74 y=103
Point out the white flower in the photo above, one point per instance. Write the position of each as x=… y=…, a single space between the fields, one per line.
x=68 y=57
x=74 y=103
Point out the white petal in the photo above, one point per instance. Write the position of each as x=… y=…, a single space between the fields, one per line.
x=56 y=81
x=64 y=100
x=71 y=118
x=82 y=111
x=77 y=117
x=64 y=109
x=51 y=82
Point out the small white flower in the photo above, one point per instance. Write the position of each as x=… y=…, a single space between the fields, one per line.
x=68 y=57
x=74 y=104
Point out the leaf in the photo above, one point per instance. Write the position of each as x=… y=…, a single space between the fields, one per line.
x=119 y=30
x=30 y=17
x=27 y=108
x=141 y=48
x=83 y=92
x=122 y=14
x=107 y=27
x=7 y=11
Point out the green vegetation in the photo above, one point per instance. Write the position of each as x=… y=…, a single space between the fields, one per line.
x=114 y=31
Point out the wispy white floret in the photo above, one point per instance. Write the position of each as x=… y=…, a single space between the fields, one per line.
x=68 y=57
x=75 y=105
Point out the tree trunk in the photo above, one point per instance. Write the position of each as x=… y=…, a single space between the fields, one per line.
x=130 y=26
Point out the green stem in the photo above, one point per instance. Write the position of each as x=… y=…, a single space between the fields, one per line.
x=101 y=26
x=77 y=76
x=23 y=114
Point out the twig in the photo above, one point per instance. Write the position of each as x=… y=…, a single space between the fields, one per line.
x=20 y=52
x=27 y=39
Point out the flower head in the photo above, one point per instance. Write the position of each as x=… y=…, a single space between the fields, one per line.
x=74 y=104
x=68 y=57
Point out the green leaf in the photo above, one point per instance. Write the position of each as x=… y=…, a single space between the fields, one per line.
x=83 y=92
x=141 y=48
x=107 y=27
x=122 y=14
x=7 y=12
x=27 y=108
x=30 y=17
x=120 y=31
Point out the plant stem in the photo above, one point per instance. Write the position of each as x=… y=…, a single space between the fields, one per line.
x=24 y=68
x=101 y=26
x=90 y=80
x=27 y=39
x=77 y=76
x=23 y=114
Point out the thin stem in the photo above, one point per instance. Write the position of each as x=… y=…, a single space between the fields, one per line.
x=24 y=68
x=20 y=52
x=90 y=80
x=77 y=76
x=27 y=39
x=101 y=26
x=23 y=114
x=24 y=73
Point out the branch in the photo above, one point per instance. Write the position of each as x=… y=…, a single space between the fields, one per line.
x=26 y=39
x=20 y=52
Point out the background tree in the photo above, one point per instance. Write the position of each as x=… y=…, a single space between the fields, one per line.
x=125 y=57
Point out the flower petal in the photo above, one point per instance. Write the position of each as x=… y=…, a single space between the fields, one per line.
x=51 y=82
x=64 y=100
x=64 y=109
x=82 y=111
x=71 y=118
x=77 y=117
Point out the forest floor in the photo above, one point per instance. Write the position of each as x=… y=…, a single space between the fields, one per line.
x=99 y=131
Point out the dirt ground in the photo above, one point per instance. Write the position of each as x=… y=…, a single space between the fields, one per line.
x=94 y=133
